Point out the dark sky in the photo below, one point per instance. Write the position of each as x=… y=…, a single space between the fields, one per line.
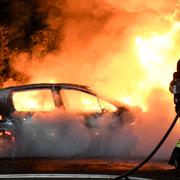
x=22 y=26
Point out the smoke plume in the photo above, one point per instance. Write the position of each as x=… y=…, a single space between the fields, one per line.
x=60 y=134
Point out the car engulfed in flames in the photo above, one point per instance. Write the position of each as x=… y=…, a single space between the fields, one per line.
x=33 y=117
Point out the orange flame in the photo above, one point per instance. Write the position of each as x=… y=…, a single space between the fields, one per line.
x=128 y=76
x=33 y=101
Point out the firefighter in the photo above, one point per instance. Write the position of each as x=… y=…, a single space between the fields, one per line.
x=175 y=89
x=175 y=157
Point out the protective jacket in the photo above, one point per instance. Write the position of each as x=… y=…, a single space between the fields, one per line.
x=175 y=156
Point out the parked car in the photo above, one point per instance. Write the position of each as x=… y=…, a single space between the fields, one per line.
x=33 y=118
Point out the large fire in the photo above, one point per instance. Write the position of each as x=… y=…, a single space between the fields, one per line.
x=73 y=101
x=157 y=55
x=129 y=77
x=154 y=52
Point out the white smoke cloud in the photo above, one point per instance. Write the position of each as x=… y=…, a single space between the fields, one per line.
x=68 y=135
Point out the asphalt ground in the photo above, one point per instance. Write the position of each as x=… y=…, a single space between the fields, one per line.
x=55 y=166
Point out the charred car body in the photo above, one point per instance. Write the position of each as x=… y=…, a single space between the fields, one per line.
x=31 y=115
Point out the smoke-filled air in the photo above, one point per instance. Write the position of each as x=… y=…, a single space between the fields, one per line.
x=127 y=50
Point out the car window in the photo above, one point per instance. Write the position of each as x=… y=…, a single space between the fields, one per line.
x=33 y=100
x=107 y=106
x=79 y=101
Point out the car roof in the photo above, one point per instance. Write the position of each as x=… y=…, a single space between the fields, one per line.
x=46 y=85
x=6 y=104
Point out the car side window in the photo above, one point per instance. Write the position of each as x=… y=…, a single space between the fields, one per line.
x=78 y=101
x=33 y=100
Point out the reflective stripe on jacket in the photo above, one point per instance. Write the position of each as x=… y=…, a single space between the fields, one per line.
x=178 y=144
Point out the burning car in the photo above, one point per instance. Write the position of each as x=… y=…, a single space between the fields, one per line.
x=36 y=119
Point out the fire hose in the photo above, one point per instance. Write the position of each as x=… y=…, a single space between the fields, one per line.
x=175 y=89
x=131 y=171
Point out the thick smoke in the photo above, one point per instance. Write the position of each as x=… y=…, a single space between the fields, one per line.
x=92 y=42
x=151 y=126
x=59 y=134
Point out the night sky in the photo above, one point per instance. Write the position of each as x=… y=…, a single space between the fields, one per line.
x=22 y=26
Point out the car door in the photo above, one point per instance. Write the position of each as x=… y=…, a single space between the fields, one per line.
x=89 y=105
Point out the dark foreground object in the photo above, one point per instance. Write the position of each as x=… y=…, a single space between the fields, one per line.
x=152 y=170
